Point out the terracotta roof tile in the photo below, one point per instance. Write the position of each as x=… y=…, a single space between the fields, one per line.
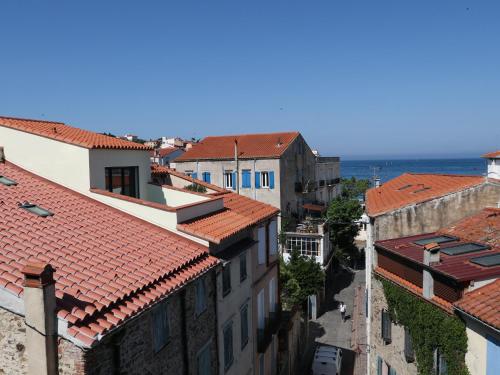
x=68 y=134
x=492 y=155
x=413 y=188
x=109 y=265
x=483 y=303
x=239 y=213
x=162 y=152
x=268 y=145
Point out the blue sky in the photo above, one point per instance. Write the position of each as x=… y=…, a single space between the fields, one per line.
x=357 y=78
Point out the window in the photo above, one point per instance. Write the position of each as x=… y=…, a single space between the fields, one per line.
x=229 y=180
x=37 y=210
x=7 y=181
x=409 y=353
x=122 y=180
x=436 y=239
x=226 y=279
x=262 y=245
x=228 y=345
x=272 y=295
x=246 y=178
x=392 y=370
x=206 y=176
x=262 y=370
x=189 y=172
x=161 y=329
x=260 y=310
x=379 y=365
x=440 y=366
x=273 y=237
x=307 y=246
x=201 y=296
x=487 y=260
x=204 y=360
x=386 y=326
x=266 y=179
x=464 y=249
x=244 y=326
x=243 y=266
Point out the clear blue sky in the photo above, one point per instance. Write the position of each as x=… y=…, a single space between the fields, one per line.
x=357 y=78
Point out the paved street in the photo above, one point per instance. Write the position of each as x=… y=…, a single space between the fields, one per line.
x=330 y=330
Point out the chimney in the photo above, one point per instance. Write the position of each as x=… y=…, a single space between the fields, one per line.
x=2 y=155
x=431 y=255
x=40 y=314
x=377 y=182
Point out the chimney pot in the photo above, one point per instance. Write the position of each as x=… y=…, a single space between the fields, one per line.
x=38 y=275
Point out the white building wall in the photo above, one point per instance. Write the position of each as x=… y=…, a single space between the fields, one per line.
x=475 y=358
x=494 y=168
x=56 y=161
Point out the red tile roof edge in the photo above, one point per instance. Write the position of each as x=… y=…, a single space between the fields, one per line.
x=186 y=158
x=491 y=155
x=414 y=289
x=159 y=170
x=121 y=144
x=426 y=199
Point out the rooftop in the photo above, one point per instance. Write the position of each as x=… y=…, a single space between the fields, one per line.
x=109 y=265
x=483 y=303
x=268 y=145
x=68 y=134
x=162 y=171
x=162 y=152
x=482 y=229
x=413 y=188
x=492 y=155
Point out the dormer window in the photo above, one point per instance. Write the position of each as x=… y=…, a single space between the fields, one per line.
x=122 y=180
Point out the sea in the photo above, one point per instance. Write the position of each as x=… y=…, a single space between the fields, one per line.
x=388 y=169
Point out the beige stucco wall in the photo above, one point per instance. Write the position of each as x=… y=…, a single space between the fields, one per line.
x=60 y=162
x=475 y=358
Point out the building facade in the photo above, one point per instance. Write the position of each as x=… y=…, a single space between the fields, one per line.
x=277 y=168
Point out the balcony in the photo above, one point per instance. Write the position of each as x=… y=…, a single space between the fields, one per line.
x=265 y=335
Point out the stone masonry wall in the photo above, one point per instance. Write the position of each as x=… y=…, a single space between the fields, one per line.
x=132 y=344
x=393 y=353
x=435 y=214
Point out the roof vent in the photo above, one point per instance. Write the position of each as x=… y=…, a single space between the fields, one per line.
x=37 y=210
x=7 y=181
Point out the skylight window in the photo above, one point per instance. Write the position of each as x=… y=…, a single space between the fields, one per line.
x=37 y=210
x=7 y=181
x=405 y=187
x=420 y=190
x=464 y=249
x=436 y=239
x=487 y=260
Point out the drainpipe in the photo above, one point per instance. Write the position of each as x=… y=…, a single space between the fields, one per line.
x=431 y=255
x=40 y=316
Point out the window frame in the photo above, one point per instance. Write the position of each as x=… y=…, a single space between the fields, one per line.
x=200 y=309
x=244 y=340
x=243 y=275
x=207 y=348
x=228 y=177
x=162 y=307
x=108 y=180
x=226 y=275
x=264 y=180
x=228 y=326
x=386 y=327
x=261 y=245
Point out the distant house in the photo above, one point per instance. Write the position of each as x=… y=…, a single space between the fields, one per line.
x=130 y=137
x=276 y=168
x=493 y=164
x=164 y=156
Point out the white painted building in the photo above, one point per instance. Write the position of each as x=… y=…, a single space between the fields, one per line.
x=493 y=164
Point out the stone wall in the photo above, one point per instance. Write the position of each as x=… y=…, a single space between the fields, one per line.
x=393 y=353
x=130 y=349
x=437 y=213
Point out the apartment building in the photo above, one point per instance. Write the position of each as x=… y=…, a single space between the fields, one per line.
x=275 y=168
x=245 y=238
x=84 y=168
x=414 y=204
x=449 y=269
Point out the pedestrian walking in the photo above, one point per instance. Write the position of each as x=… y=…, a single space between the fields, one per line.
x=342 y=310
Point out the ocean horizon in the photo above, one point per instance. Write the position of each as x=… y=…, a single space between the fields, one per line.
x=387 y=169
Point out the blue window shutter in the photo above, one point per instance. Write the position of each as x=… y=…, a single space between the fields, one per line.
x=257 y=180
x=246 y=179
x=234 y=181
x=206 y=177
x=194 y=175
x=271 y=180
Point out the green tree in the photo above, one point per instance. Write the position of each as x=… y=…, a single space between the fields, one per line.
x=299 y=277
x=196 y=187
x=354 y=188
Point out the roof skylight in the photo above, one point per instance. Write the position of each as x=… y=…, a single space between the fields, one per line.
x=464 y=249
x=436 y=239
x=487 y=260
x=405 y=187
x=422 y=189
x=37 y=210
x=7 y=181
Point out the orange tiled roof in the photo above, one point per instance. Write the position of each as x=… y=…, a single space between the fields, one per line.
x=162 y=152
x=269 y=145
x=494 y=154
x=482 y=227
x=68 y=134
x=413 y=288
x=413 y=188
x=483 y=303
x=109 y=265
x=239 y=213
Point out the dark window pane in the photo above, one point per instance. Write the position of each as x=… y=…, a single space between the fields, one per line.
x=226 y=279
x=122 y=180
x=243 y=266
